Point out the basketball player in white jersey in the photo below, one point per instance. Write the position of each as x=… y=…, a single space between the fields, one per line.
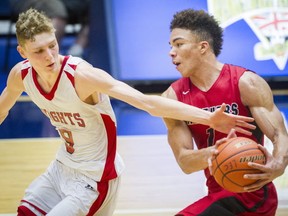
x=84 y=177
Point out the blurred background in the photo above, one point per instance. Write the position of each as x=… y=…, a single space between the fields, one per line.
x=130 y=40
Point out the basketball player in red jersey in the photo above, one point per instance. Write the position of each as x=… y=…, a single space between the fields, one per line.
x=196 y=41
x=84 y=177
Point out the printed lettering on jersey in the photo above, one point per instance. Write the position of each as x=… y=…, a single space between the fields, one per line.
x=65 y=118
x=232 y=108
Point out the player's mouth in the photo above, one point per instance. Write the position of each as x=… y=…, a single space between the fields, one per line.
x=177 y=64
x=51 y=65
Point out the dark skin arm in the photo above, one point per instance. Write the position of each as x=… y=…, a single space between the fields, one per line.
x=257 y=95
x=181 y=142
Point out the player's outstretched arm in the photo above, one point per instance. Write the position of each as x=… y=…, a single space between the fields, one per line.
x=220 y=120
x=96 y=80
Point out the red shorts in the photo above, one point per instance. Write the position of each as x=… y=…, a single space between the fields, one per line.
x=224 y=203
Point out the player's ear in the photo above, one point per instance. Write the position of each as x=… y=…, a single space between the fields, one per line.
x=21 y=51
x=204 y=45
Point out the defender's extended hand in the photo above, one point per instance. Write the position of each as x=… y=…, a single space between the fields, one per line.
x=224 y=122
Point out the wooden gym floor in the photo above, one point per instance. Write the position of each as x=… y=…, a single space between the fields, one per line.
x=152 y=184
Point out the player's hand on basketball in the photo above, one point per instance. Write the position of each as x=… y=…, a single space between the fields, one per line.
x=270 y=171
x=224 y=122
x=215 y=152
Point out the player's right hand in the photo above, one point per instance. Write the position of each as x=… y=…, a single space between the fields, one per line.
x=215 y=152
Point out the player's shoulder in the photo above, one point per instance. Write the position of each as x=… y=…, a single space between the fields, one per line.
x=254 y=89
x=15 y=76
x=79 y=64
x=85 y=74
x=169 y=93
x=17 y=69
x=85 y=68
x=251 y=79
x=180 y=84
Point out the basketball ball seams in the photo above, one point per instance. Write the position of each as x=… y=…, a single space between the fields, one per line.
x=231 y=163
x=226 y=144
x=246 y=171
x=244 y=150
x=237 y=153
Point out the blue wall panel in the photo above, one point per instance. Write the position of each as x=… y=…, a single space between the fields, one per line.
x=26 y=120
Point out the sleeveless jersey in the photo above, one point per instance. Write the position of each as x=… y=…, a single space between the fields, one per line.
x=88 y=131
x=224 y=90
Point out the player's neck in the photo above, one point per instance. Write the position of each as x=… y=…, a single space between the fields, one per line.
x=206 y=77
x=47 y=80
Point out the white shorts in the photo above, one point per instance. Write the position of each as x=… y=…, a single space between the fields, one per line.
x=65 y=191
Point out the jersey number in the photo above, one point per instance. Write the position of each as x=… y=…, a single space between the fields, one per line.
x=69 y=143
x=211 y=136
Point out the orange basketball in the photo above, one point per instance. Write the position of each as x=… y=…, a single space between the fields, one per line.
x=230 y=165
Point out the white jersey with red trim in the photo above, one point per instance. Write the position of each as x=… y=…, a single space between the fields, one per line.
x=88 y=131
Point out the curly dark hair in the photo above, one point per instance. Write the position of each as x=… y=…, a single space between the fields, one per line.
x=202 y=24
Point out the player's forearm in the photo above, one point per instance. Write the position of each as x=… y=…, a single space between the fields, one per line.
x=194 y=160
x=3 y=117
x=160 y=106
x=181 y=142
x=4 y=110
x=168 y=108
x=280 y=151
x=7 y=100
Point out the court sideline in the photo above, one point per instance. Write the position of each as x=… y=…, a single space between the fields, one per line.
x=152 y=184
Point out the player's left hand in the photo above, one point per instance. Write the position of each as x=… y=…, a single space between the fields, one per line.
x=224 y=122
x=271 y=170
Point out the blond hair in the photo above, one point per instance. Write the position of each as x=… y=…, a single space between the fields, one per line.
x=32 y=23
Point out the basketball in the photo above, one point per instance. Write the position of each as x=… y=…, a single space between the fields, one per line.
x=230 y=165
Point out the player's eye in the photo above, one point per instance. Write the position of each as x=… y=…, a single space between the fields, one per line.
x=52 y=45
x=178 y=45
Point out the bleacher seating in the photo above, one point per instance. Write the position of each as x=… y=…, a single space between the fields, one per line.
x=6 y=32
x=8 y=42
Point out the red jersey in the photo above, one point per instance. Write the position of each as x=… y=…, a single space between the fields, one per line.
x=224 y=90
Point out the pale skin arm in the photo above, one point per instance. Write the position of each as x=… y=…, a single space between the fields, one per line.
x=11 y=92
x=257 y=95
x=95 y=80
